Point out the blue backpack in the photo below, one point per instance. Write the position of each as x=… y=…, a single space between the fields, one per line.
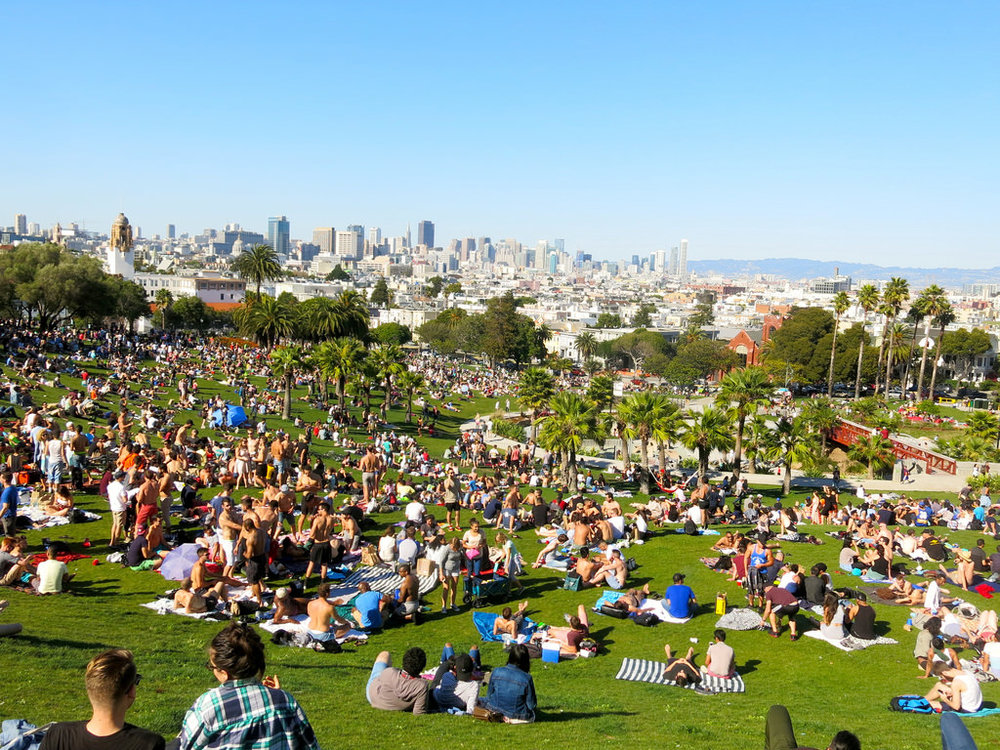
x=914 y=704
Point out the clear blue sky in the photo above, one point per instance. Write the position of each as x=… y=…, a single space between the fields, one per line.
x=836 y=131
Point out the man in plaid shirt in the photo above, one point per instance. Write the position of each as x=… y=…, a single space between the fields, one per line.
x=244 y=711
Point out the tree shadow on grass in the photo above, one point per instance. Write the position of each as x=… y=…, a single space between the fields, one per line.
x=552 y=716
x=50 y=643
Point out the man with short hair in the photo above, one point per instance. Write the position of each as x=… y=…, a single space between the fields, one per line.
x=719 y=658
x=118 y=504
x=111 y=679
x=8 y=504
x=53 y=575
x=320 y=532
x=321 y=614
x=778 y=603
x=409 y=594
x=392 y=689
x=368 y=606
x=679 y=599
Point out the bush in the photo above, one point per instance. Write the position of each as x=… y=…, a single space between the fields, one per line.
x=688 y=463
x=506 y=429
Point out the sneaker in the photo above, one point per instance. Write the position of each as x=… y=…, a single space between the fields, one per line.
x=794 y=637
x=444 y=610
x=775 y=635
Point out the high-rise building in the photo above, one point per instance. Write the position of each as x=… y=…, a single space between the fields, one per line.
x=347 y=245
x=34 y=229
x=559 y=244
x=323 y=236
x=20 y=224
x=375 y=236
x=660 y=265
x=359 y=232
x=279 y=234
x=408 y=236
x=672 y=268
x=171 y=232
x=682 y=260
x=425 y=233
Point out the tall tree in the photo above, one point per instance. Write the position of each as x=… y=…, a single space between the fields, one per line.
x=707 y=431
x=874 y=451
x=867 y=300
x=409 y=382
x=381 y=296
x=649 y=417
x=944 y=318
x=388 y=360
x=534 y=391
x=164 y=299
x=348 y=357
x=745 y=390
x=841 y=302
x=572 y=421
x=820 y=416
x=257 y=265
x=896 y=294
x=790 y=443
x=586 y=345
x=267 y=320
x=285 y=362
x=932 y=302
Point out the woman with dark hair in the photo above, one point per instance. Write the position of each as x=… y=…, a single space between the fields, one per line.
x=246 y=709
x=512 y=691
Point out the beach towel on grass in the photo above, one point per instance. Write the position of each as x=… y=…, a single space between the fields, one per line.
x=656 y=607
x=384 y=580
x=850 y=643
x=165 y=605
x=607 y=597
x=740 y=619
x=301 y=626
x=484 y=624
x=642 y=670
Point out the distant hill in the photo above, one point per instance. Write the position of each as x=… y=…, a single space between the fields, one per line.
x=796 y=269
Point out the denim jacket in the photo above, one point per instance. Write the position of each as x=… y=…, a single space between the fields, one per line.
x=512 y=693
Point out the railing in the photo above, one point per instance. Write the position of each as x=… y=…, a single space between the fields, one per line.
x=847 y=433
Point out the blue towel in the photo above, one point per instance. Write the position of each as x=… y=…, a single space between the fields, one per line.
x=608 y=597
x=484 y=624
x=977 y=714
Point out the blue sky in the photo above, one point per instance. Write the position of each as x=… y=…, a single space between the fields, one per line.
x=836 y=131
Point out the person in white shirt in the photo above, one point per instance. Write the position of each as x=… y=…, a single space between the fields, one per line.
x=720 y=658
x=958 y=690
x=118 y=502
x=53 y=575
x=415 y=512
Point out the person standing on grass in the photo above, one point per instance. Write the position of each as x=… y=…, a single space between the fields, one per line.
x=246 y=710
x=112 y=680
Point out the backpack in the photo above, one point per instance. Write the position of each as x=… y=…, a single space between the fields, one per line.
x=915 y=704
x=646 y=619
x=631 y=564
x=572 y=582
x=690 y=528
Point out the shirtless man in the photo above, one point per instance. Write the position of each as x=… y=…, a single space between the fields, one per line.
x=287 y=607
x=183 y=432
x=322 y=614
x=509 y=623
x=310 y=502
x=320 y=532
x=611 y=507
x=369 y=466
x=308 y=481
x=147 y=500
x=550 y=547
x=586 y=568
x=192 y=601
x=230 y=528
x=165 y=488
x=581 y=530
x=286 y=507
x=203 y=582
x=278 y=457
x=409 y=594
x=256 y=553
x=613 y=572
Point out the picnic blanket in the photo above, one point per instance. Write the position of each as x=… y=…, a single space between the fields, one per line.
x=850 y=643
x=656 y=607
x=65 y=557
x=607 y=597
x=385 y=580
x=165 y=605
x=300 y=628
x=643 y=670
x=41 y=520
x=740 y=618
x=557 y=562
x=484 y=624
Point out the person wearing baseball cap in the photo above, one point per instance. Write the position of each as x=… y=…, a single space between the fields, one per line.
x=457 y=688
x=679 y=599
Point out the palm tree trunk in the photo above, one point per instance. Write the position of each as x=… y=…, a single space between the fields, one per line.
x=861 y=353
x=888 y=363
x=833 y=353
x=702 y=462
x=286 y=406
x=905 y=380
x=923 y=360
x=409 y=407
x=786 y=479
x=662 y=448
x=935 y=365
x=626 y=459
x=871 y=468
x=534 y=427
x=881 y=356
x=571 y=470
x=644 y=477
x=341 y=392
x=738 y=448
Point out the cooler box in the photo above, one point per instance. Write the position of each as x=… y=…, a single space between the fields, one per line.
x=550 y=651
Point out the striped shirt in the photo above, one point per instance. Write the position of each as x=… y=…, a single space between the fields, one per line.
x=246 y=714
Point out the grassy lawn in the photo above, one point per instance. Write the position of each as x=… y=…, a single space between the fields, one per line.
x=580 y=702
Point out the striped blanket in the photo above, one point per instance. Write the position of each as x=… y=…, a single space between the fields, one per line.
x=383 y=580
x=642 y=670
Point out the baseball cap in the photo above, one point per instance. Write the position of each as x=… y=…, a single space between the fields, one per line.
x=463 y=667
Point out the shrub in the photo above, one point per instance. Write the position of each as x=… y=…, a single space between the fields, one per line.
x=507 y=429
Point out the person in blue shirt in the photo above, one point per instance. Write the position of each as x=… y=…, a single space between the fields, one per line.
x=368 y=607
x=512 y=691
x=8 y=504
x=679 y=599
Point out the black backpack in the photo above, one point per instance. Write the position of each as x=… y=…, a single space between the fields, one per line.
x=690 y=528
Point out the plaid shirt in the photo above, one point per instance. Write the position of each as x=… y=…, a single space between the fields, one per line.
x=246 y=714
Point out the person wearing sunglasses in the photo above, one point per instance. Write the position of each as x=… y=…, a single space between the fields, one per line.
x=246 y=710
x=112 y=680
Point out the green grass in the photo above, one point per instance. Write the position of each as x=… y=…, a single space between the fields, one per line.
x=580 y=702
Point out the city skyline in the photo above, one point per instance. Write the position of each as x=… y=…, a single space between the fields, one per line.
x=850 y=133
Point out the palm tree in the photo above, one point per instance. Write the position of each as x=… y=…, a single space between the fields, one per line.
x=790 y=443
x=868 y=301
x=821 y=417
x=757 y=430
x=586 y=345
x=648 y=416
x=884 y=311
x=707 y=431
x=354 y=316
x=897 y=352
x=388 y=360
x=408 y=382
x=164 y=299
x=323 y=360
x=573 y=420
x=534 y=390
x=984 y=424
x=320 y=318
x=602 y=391
x=257 y=265
x=896 y=294
x=266 y=320
x=932 y=302
x=945 y=317
x=347 y=358
x=285 y=362
x=745 y=389
x=913 y=317
x=840 y=304
x=874 y=451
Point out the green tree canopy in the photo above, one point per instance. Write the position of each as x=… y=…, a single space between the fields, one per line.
x=392 y=333
x=381 y=296
x=608 y=320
